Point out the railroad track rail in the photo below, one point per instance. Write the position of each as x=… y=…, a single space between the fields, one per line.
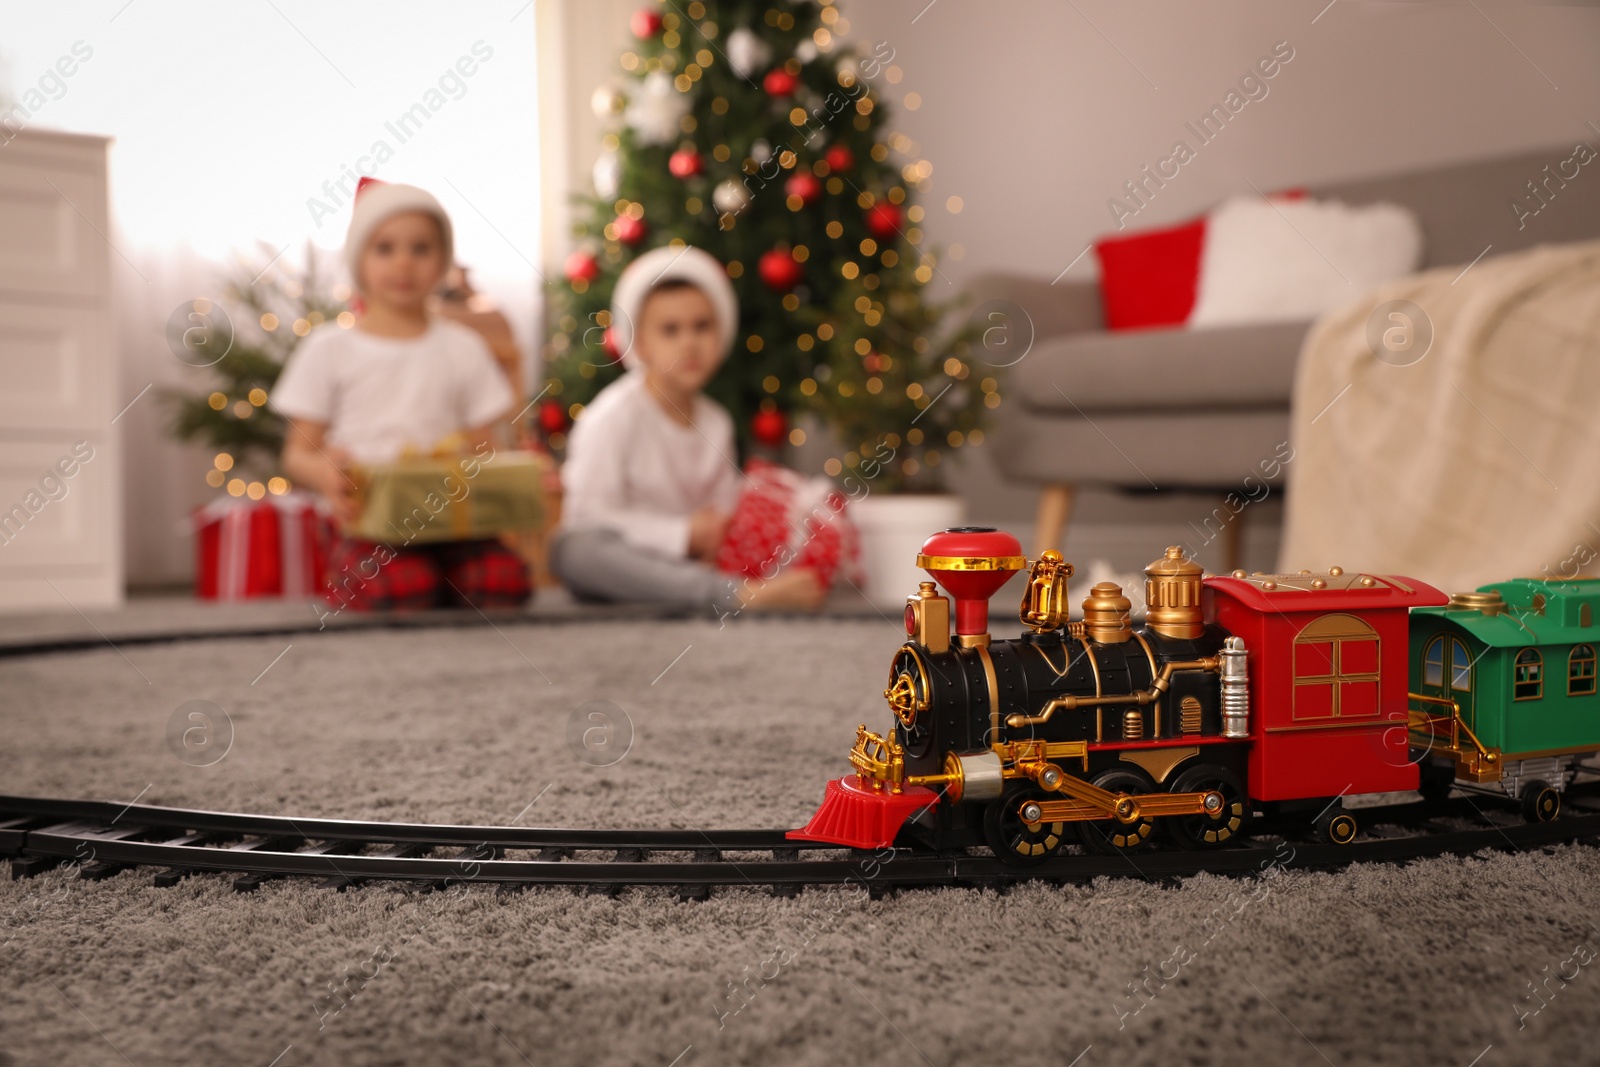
x=104 y=839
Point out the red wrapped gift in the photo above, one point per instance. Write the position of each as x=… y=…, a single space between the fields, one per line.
x=275 y=547
x=784 y=519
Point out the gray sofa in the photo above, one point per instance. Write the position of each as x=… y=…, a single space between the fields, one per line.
x=1170 y=409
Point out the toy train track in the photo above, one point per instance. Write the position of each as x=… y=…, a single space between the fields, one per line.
x=105 y=839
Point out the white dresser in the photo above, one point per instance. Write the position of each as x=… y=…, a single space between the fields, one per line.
x=60 y=460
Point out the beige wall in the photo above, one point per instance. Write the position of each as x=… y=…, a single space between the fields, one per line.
x=1035 y=112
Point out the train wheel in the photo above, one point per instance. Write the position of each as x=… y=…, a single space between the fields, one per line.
x=1335 y=826
x=1112 y=836
x=1540 y=801
x=1013 y=841
x=1208 y=830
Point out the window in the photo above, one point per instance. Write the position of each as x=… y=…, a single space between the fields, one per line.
x=1460 y=667
x=1336 y=669
x=1580 y=671
x=1528 y=683
x=1433 y=662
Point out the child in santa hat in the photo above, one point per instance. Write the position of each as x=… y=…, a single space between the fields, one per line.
x=398 y=378
x=651 y=476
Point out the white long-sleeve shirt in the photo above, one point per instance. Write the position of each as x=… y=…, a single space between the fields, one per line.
x=633 y=468
x=379 y=395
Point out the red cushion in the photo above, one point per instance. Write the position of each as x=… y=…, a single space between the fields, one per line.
x=1150 y=278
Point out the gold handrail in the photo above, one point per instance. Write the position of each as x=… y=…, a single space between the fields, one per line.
x=1456 y=721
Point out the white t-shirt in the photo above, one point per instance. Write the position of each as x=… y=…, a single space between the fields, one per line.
x=633 y=468
x=379 y=395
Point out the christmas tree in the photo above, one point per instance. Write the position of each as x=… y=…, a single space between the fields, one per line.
x=754 y=132
x=243 y=353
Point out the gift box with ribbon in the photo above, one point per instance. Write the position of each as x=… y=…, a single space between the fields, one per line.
x=426 y=499
x=784 y=519
x=274 y=547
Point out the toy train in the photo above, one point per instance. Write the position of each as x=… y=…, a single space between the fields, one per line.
x=1240 y=694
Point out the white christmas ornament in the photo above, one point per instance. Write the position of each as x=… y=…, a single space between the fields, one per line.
x=607 y=175
x=806 y=50
x=730 y=197
x=607 y=101
x=747 y=53
x=656 y=109
x=760 y=151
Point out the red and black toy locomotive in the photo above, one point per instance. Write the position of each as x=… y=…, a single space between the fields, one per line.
x=1284 y=693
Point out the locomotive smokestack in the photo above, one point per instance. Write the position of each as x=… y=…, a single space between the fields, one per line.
x=972 y=563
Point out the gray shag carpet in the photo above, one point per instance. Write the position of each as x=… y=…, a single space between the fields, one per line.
x=1433 y=963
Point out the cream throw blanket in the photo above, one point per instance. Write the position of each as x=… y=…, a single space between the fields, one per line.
x=1478 y=462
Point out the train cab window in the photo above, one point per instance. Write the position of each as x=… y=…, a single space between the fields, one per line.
x=1580 y=671
x=1460 y=667
x=1454 y=650
x=1528 y=680
x=1336 y=668
x=1433 y=662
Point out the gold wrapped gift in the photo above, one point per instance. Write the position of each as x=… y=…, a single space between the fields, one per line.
x=418 y=500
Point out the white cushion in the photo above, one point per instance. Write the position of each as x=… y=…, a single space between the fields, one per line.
x=1295 y=259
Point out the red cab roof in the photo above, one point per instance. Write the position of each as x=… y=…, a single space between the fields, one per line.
x=1332 y=590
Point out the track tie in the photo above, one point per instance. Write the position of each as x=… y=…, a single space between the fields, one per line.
x=260 y=844
x=251 y=881
x=173 y=875
x=785 y=890
x=554 y=855
x=632 y=855
x=700 y=890
x=92 y=870
x=33 y=866
x=479 y=853
x=339 y=883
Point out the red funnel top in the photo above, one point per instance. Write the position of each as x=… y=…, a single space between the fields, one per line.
x=972 y=563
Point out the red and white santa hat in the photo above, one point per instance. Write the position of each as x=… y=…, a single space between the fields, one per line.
x=658 y=266
x=376 y=201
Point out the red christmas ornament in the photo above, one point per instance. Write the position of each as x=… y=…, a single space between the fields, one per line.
x=770 y=427
x=839 y=158
x=779 y=82
x=684 y=163
x=582 y=266
x=629 y=230
x=805 y=185
x=552 y=417
x=608 y=342
x=883 y=220
x=646 y=23
x=780 y=270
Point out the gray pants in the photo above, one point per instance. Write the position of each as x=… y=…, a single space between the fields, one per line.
x=597 y=564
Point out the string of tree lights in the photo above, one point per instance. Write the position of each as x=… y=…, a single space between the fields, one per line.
x=757 y=134
x=276 y=309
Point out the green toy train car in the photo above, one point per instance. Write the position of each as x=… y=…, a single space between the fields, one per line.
x=1503 y=690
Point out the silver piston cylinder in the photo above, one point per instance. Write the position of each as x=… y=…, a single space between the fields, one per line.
x=977 y=776
x=1235 y=689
